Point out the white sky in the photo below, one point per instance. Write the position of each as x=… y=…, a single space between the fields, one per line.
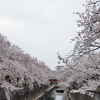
x=41 y=27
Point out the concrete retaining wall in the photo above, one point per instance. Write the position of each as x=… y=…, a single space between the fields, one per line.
x=25 y=94
x=78 y=96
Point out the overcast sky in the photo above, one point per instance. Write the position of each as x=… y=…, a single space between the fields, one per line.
x=41 y=27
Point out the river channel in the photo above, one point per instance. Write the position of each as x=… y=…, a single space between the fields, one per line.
x=59 y=97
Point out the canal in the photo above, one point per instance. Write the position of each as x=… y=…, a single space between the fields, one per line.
x=59 y=97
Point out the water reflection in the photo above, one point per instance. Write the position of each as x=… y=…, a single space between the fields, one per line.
x=59 y=97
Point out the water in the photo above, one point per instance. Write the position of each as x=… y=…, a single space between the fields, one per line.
x=59 y=97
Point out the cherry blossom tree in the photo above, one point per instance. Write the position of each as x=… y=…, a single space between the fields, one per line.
x=18 y=68
x=81 y=73
x=82 y=70
x=88 y=39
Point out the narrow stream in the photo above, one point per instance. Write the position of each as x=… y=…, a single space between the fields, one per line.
x=59 y=97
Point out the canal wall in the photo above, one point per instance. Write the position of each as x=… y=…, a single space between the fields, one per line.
x=79 y=96
x=23 y=93
x=2 y=94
